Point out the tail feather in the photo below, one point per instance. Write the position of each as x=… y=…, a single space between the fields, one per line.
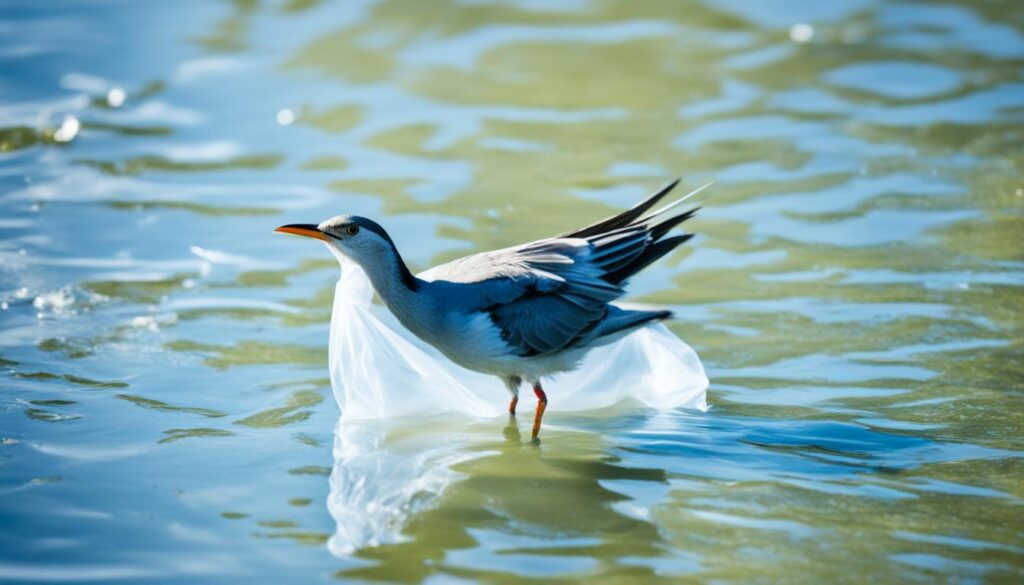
x=625 y=218
x=627 y=243
x=659 y=230
x=649 y=256
x=680 y=201
x=619 y=321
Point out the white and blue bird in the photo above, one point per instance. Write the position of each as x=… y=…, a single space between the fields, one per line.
x=521 y=313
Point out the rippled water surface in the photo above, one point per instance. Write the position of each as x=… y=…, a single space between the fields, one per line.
x=855 y=291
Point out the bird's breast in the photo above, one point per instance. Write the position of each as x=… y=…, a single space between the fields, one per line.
x=468 y=338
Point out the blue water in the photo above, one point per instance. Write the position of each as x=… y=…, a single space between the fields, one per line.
x=854 y=292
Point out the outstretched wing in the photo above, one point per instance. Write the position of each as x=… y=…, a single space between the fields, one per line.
x=546 y=295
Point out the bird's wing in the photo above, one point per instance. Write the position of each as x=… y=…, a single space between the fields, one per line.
x=541 y=295
x=545 y=295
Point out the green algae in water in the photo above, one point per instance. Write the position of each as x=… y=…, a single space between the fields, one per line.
x=197 y=433
x=148 y=164
x=288 y=414
x=278 y=523
x=158 y=405
x=48 y=416
x=77 y=380
x=306 y=440
x=304 y=538
x=252 y=352
x=71 y=349
x=197 y=208
x=310 y=470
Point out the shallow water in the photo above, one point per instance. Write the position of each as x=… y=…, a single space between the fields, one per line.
x=855 y=291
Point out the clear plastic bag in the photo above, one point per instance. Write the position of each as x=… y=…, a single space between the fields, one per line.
x=385 y=471
x=381 y=370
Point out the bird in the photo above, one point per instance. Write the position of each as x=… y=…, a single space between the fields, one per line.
x=521 y=313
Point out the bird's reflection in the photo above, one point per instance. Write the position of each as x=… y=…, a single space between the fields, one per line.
x=413 y=494
x=511 y=431
x=386 y=471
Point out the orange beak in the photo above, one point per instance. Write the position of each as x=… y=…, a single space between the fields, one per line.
x=303 y=229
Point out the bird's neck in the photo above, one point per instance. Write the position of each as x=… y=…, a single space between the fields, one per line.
x=393 y=281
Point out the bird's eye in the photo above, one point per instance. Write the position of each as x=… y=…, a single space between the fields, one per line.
x=352 y=230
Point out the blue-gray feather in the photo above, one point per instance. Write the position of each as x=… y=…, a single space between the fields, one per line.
x=555 y=294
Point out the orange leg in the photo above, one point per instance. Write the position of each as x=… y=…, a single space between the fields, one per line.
x=512 y=405
x=542 y=404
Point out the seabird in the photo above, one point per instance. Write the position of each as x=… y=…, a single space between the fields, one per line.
x=521 y=313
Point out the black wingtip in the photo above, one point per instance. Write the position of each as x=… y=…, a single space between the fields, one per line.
x=648 y=203
x=626 y=217
x=665 y=190
x=659 y=230
x=653 y=253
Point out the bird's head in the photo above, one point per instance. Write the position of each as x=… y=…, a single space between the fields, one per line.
x=359 y=239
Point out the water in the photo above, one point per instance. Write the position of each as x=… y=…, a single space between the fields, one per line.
x=855 y=291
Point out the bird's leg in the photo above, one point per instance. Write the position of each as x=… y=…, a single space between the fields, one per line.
x=512 y=383
x=542 y=404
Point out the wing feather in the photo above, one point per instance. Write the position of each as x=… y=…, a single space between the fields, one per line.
x=545 y=296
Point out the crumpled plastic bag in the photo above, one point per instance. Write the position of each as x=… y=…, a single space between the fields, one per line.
x=381 y=370
x=386 y=471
